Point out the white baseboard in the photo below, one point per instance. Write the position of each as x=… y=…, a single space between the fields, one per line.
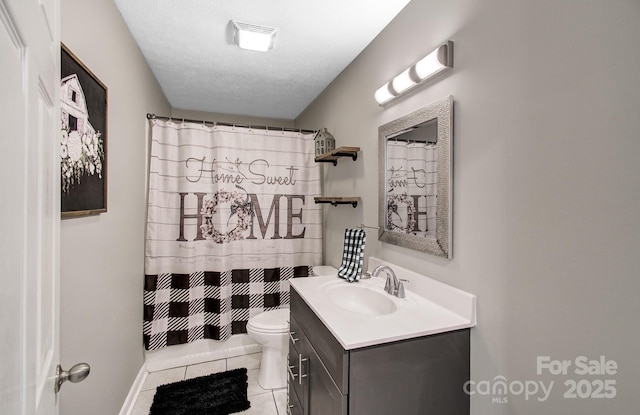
x=129 y=403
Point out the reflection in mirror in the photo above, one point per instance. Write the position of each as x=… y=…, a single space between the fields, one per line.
x=415 y=179
x=412 y=180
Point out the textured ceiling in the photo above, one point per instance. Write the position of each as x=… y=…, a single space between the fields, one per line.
x=189 y=47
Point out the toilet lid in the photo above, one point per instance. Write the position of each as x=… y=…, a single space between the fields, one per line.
x=274 y=320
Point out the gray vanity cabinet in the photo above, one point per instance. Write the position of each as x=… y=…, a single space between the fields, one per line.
x=418 y=376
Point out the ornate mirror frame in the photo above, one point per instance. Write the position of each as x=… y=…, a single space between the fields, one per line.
x=442 y=112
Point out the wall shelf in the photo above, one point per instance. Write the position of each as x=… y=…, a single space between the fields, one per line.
x=333 y=156
x=335 y=201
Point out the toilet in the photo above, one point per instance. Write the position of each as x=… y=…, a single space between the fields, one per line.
x=270 y=329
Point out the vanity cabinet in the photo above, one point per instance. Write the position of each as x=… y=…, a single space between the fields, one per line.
x=419 y=376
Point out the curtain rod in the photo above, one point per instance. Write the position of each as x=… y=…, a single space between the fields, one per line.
x=264 y=127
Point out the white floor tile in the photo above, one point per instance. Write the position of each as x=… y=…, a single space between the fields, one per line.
x=253 y=387
x=261 y=404
x=203 y=369
x=143 y=402
x=250 y=361
x=162 y=377
x=280 y=396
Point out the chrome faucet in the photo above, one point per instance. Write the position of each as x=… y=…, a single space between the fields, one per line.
x=393 y=285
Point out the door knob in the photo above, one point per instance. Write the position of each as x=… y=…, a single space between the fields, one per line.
x=76 y=374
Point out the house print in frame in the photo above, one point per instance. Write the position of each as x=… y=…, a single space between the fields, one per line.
x=83 y=103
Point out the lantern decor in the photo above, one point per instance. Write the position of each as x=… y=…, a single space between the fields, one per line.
x=325 y=142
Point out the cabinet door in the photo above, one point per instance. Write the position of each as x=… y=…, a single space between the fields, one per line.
x=324 y=396
x=295 y=407
x=412 y=377
x=334 y=357
x=297 y=363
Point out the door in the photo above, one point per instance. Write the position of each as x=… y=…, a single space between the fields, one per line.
x=30 y=205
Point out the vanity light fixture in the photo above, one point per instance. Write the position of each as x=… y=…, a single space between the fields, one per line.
x=253 y=37
x=426 y=68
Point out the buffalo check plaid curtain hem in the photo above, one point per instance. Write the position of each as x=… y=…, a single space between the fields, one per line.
x=180 y=308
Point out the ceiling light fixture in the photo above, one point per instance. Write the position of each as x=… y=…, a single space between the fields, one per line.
x=426 y=68
x=253 y=37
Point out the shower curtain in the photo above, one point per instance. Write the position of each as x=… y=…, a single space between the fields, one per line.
x=412 y=187
x=231 y=218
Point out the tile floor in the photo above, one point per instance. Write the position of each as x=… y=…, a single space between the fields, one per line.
x=263 y=401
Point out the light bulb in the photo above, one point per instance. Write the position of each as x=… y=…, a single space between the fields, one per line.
x=432 y=63
x=383 y=94
x=402 y=82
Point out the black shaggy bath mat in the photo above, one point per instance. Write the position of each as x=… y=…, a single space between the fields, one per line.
x=216 y=394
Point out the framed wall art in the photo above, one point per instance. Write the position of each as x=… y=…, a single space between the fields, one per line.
x=415 y=186
x=83 y=139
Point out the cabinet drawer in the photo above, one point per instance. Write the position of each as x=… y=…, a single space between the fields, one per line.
x=296 y=335
x=328 y=349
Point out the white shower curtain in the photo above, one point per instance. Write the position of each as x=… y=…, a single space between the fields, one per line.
x=231 y=218
x=412 y=189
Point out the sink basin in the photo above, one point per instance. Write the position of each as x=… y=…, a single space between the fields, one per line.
x=359 y=299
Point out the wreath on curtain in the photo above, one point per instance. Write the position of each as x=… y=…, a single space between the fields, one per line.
x=392 y=209
x=241 y=207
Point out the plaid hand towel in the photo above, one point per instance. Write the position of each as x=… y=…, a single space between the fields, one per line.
x=352 y=254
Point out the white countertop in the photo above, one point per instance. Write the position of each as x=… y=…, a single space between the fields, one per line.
x=430 y=307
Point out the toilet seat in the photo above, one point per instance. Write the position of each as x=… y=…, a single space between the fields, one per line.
x=273 y=321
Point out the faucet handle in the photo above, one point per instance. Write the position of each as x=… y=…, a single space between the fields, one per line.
x=388 y=286
x=400 y=293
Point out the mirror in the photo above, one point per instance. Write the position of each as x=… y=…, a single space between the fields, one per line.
x=414 y=208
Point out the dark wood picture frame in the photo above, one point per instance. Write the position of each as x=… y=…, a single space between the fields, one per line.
x=83 y=139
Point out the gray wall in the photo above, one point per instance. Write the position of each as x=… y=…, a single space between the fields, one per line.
x=102 y=256
x=546 y=181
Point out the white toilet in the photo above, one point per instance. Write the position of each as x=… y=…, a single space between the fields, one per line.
x=270 y=329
